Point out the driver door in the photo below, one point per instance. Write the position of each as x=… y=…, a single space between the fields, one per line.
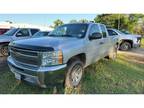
x=94 y=45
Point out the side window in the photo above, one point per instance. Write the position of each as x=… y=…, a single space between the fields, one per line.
x=33 y=31
x=103 y=31
x=94 y=30
x=112 y=33
x=23 y=33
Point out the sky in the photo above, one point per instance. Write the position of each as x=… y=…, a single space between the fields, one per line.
x=44 y=19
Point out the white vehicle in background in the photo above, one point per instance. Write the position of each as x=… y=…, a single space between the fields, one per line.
x=126 y=41
x=13 y=35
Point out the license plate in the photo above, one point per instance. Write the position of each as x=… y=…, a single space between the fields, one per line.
x=18 y=76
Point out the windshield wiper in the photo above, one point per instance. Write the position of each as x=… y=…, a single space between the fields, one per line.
x=67 y=35
x=53 y=35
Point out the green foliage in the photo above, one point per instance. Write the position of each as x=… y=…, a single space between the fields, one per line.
x=120 y=76
x=83 y=21
x=120 y=21
x=134 y=23
x=128 y=22
x=73 y=21
x=142 y=43
x=108 y=19
x=80 y=21
x=57 y=23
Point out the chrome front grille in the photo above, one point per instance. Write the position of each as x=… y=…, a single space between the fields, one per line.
x=25 y=56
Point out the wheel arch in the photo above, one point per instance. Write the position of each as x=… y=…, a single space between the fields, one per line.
x=127 y=40
x=81 y=57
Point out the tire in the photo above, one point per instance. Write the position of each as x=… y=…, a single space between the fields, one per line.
x=74 y=73
x=4 y=50
x=125 y=46
x=113 y=53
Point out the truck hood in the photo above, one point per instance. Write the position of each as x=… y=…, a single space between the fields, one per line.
x=5 y=38
x=129 y=36
x=51 y=42
x=134 y=35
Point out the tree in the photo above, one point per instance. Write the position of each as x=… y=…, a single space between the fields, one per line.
x=80 y=21
x=139 y=28
x=73 y=21
x=57 y=23
x=111 y=20
x=83 y=21
x=119 y=21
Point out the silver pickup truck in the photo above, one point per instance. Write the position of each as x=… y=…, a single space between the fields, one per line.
x=126 y=40
x=70 y=47
x=14 y=34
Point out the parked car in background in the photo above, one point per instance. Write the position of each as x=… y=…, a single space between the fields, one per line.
x=15 y=34
x=126 y=40
x=3 y=30
x=41 y=34
x=71 y=47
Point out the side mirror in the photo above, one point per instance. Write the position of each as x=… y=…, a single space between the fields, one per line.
x=95 y=36
x=19 y=34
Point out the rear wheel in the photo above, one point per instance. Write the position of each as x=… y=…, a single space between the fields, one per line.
x=74 y=75
x=4 y=50
x=125 y=46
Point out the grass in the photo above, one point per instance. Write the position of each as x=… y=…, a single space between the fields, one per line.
x=104 y=77
x=142 y=42
x=120 y=76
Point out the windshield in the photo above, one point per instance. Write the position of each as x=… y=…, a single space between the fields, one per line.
x=40 y=34
x=70 y=30
x=11 y=32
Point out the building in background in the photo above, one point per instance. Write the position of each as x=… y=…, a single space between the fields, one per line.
x=5 y=26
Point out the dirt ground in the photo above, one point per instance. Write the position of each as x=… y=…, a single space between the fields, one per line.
x=135 y=55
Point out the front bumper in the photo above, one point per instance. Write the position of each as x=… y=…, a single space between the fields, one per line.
x=42 y=76
x=136 y=45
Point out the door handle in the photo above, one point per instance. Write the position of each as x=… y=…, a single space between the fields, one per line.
x=101 y=43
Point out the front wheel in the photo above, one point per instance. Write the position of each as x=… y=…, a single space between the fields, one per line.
x=125 y=46
x=4 y=50
x=74 y=74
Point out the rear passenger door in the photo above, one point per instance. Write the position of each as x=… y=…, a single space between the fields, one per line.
x=105 y=41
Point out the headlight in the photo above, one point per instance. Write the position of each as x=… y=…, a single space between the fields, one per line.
x=52 y=58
